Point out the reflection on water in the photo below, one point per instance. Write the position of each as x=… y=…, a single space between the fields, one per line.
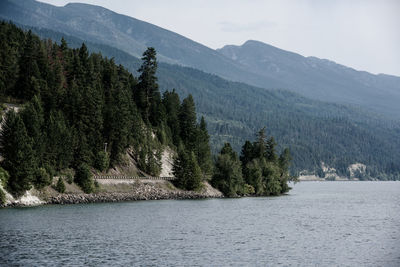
x=318 y=223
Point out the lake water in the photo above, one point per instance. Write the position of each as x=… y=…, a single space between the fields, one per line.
x=316 y=224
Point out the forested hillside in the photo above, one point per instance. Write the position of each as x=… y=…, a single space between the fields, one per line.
x=319 y=78
x=82 y=111
x=254 y=63
x=315 y=131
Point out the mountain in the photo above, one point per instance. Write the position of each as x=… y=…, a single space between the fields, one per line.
x=100 y=25
x=315 y=131
x=319 y=78
x=253 y=63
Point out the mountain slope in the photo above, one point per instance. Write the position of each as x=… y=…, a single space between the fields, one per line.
x=254 y=63
x=100 y=25
x=318 y=78
x=315 y=131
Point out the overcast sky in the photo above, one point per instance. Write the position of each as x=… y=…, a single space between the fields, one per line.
x=363 y=34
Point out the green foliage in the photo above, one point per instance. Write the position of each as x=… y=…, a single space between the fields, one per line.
x=29 y=80
x=84 y=178
x=203 y=148
x=42 y=178
x=253 y=176
x=60 y=186
x=83 y=111
x=172 y=104
x=315 y=131
x=4 y=176
x=248 y=190
x=228 y=174
x=33 y=117
x=69 y=178
x=188 y=123
x=59 y=143
x=187 y=171
x=16 y=148
x=147 y=93
x=262 y=169
x=102 y=161
x=194 y=174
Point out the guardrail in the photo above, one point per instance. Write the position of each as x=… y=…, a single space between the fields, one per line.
x=122 y=177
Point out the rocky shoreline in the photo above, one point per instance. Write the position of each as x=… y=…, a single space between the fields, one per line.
x=120 y=197
x=141 y=192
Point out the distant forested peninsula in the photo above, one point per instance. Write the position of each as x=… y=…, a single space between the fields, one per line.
x=80 y=112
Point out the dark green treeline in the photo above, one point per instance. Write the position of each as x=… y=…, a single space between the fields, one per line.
x=259 y=171
x=81 y=111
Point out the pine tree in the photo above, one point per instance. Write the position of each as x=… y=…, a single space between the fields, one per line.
x=172 y=103
x=270 y=151
x=271 y=178
x=28 y=84
x=84 y=178
x=187 y=171
x=188 y=123
x=228 y=174
x=203 y=149
x=10 y=41
x=228 y=150
x=194 y=181
x=60 y=186
x=16 y=148
x=254 y=176
x=262 y=169
x=63 y=45
x=247 y=153
x=179 y=168
x=120 y=125
x=246 y=156
x=92 y=117
x=260 y=144
x=147 y=94
x=42 y=178
x=33 y=117
x=59 y=142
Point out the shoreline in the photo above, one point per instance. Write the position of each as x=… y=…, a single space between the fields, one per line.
x=115 y=192
x=66 y=199
x=70 y=199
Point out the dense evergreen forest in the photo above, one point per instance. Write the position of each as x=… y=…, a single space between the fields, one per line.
x=315 y=131
x=81 y=111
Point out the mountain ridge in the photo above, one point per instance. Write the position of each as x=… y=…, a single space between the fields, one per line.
x=320 y=78
x=310 y=127
x=324 y=81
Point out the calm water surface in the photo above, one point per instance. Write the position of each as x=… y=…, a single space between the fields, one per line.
x=317 y=224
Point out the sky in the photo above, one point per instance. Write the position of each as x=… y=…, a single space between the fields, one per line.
x=362 y=34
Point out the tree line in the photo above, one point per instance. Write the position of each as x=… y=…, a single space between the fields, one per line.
x=338 y=135
x=81 y=112
x=258 y=171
